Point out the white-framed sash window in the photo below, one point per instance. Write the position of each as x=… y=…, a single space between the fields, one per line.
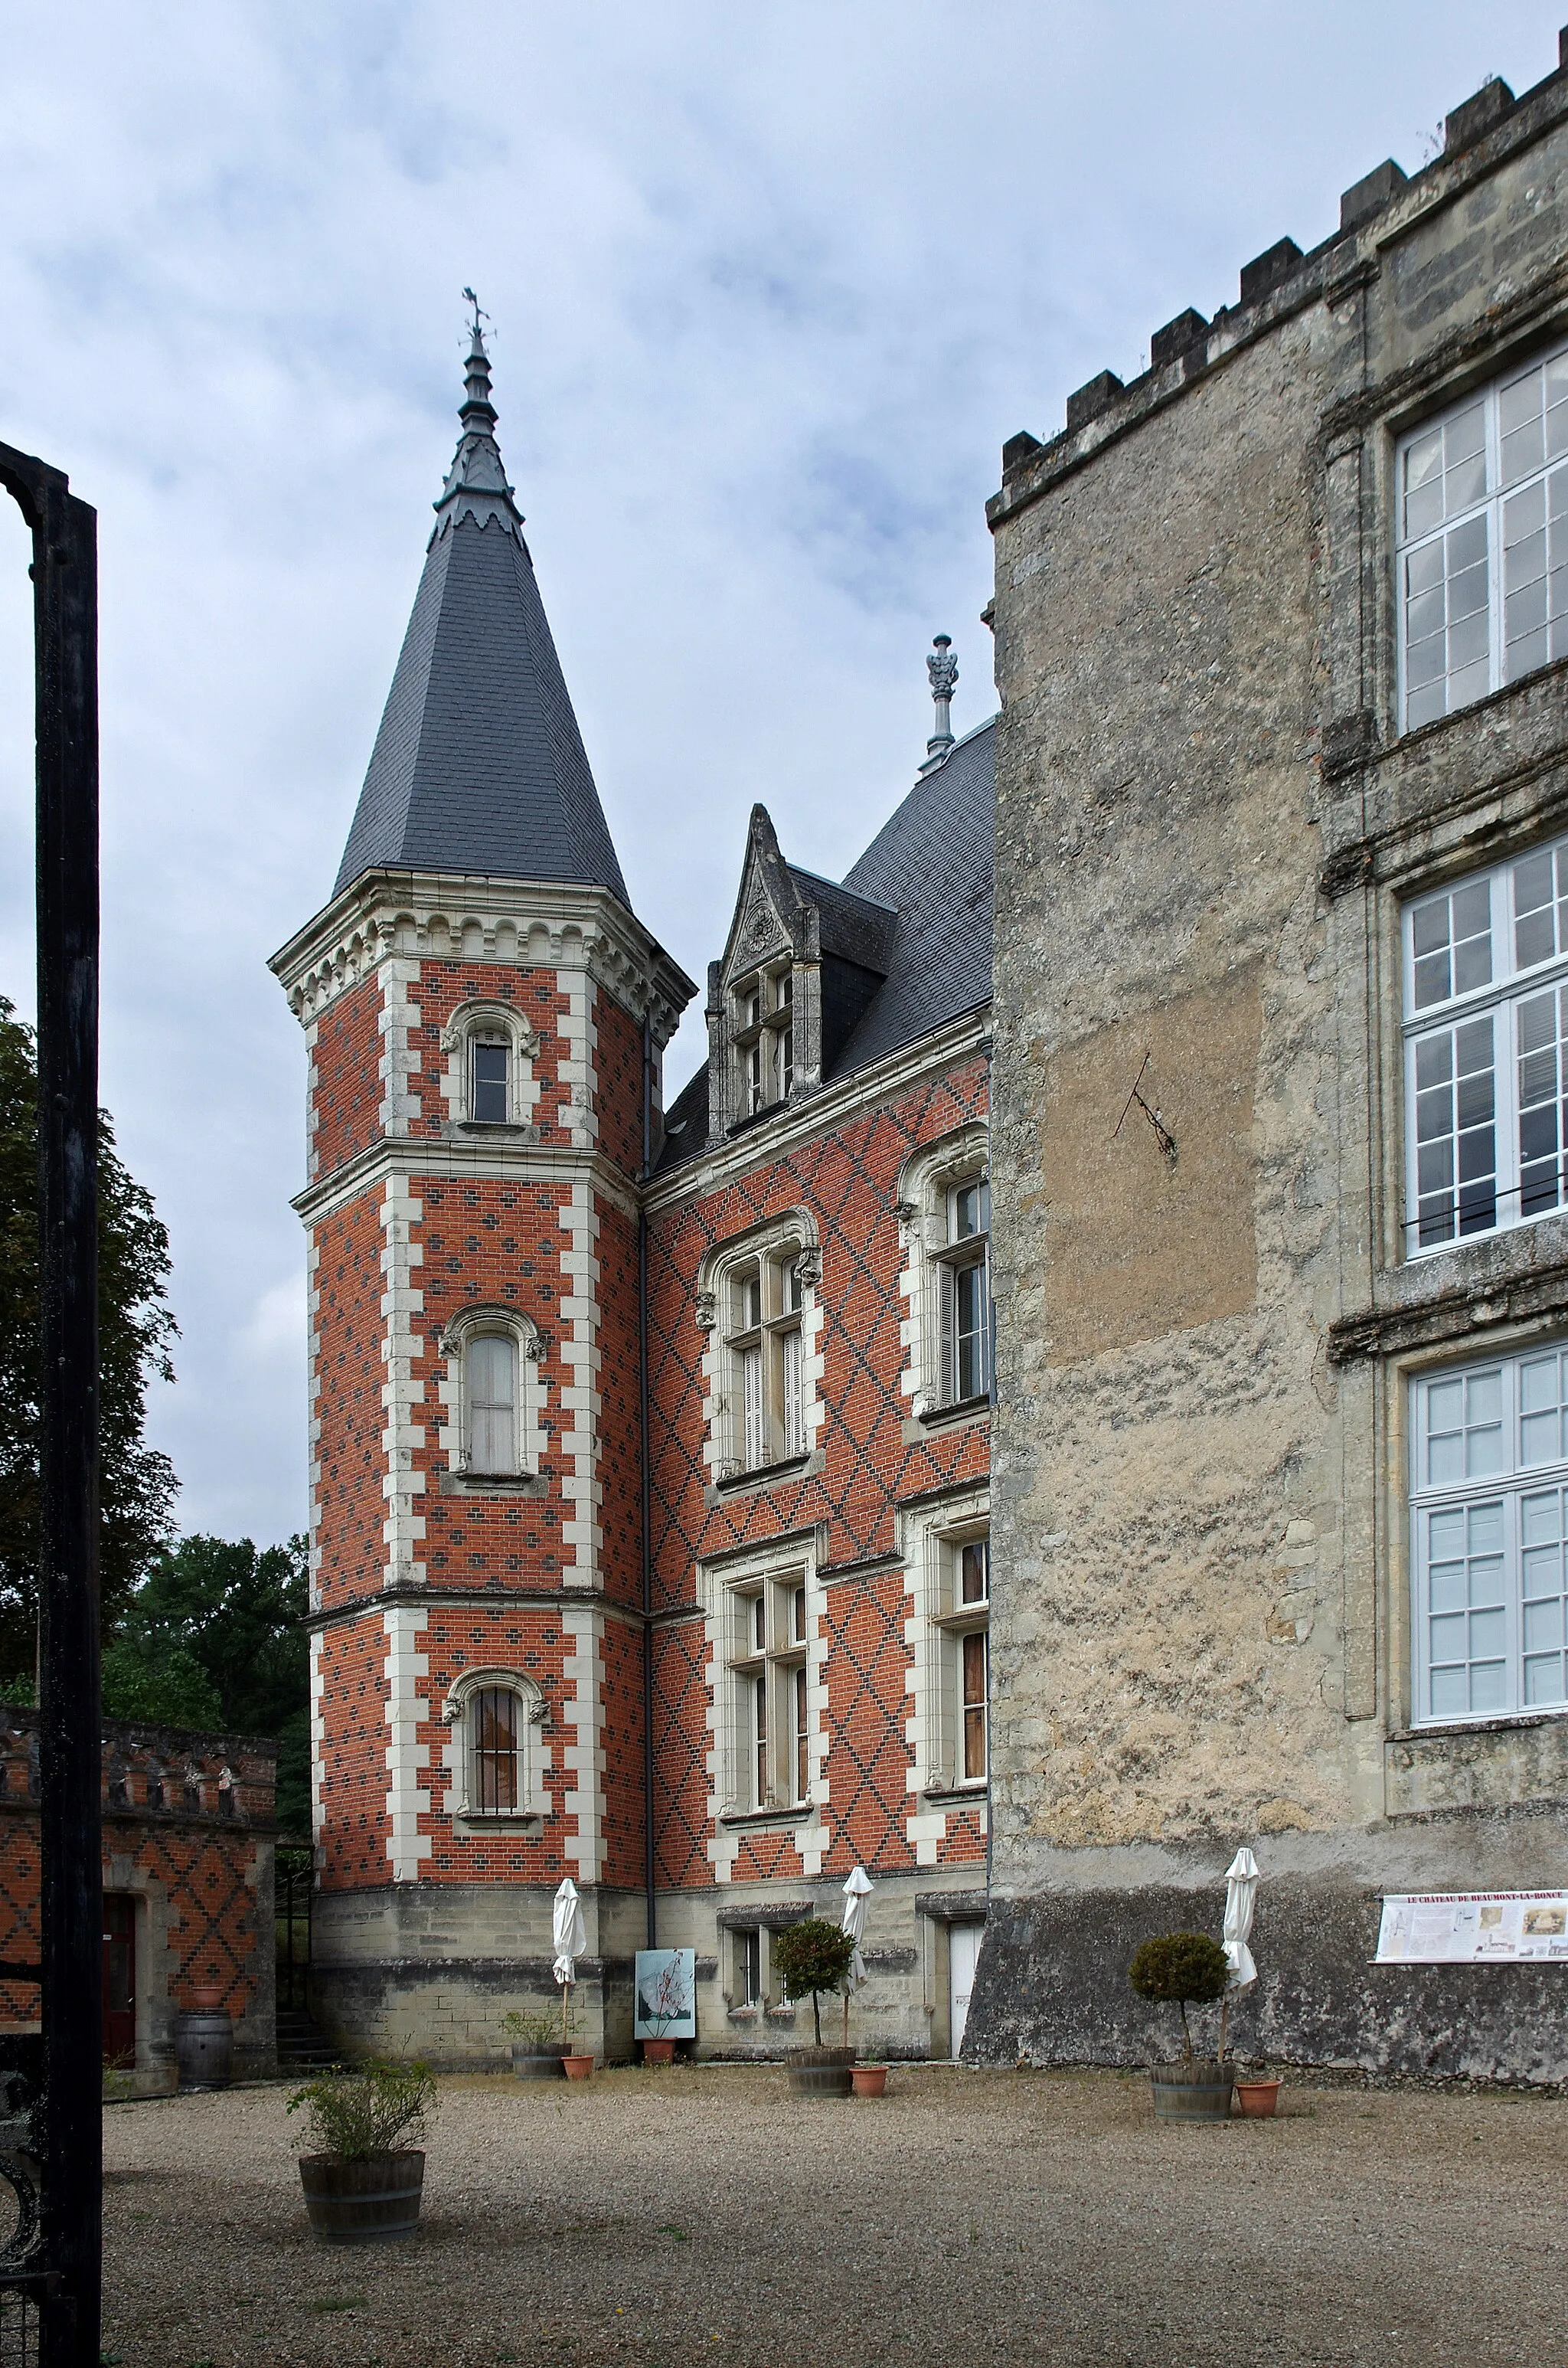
x=1482 y=542
x=1489 y=1544
x=492 y=1396
x=1485 y=965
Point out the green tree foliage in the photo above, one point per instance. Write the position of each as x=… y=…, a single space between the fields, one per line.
x=1180 y=1969
x=813 y=1956
x=375 y=2109
x=215 y=1637
x=137 y=1485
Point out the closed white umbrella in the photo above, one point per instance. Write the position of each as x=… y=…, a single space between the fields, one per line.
x=571 y=1936
x=1241 y=1894
x=857 y=1908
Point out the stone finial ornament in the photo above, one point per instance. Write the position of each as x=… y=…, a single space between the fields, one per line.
x=943 y=669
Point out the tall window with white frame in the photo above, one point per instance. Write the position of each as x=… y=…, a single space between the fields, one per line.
x=1486 y=1051
x=490 y=1376
x=748 y=1967
x=767 y=1360
x=1482 y=542
x=966 y=1618
x=489 y=1098
x=768 y=1664
x=963 y=1279
x=1489 y=1538
x=763 y=1021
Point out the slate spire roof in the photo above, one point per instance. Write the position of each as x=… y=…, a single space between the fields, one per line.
x=479 y=766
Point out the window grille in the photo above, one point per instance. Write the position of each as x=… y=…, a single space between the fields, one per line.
x=495 y=1727
x=1486 y=1051
x=748 y=1968
x=1482 y=542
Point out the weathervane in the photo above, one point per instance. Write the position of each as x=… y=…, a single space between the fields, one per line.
x=478 y=315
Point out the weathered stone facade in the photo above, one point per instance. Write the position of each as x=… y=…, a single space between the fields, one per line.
x=1211 y=817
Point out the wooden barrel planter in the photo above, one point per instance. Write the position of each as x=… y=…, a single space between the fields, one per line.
x=822 y=2072
x=204 y=2049
x=544 y=2063
x=1198 y=2091
x=372 y=2200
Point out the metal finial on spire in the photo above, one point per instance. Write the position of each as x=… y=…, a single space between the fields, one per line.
x=476 y=484
x=943 y=669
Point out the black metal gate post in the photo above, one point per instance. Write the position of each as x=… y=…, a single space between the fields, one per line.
x=64 y=572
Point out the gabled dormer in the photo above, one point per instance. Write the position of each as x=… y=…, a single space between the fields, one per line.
x=803 y=959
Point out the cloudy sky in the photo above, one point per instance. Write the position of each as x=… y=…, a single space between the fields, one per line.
x=770 y=286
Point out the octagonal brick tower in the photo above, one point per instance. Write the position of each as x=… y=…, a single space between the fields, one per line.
x=485 y=1017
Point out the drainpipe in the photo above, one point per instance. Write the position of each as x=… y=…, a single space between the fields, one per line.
x=646 y=1477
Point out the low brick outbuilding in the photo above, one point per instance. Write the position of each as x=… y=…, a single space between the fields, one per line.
x=187 y=1862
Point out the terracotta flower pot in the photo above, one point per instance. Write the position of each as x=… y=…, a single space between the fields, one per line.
x=1258 y=2098
x=208 y=1999
x=868 y=2079
x=658 y=2051
x=577 y=2068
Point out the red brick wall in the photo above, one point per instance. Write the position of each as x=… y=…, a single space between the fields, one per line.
x=848 y=1180
x=348 y=1075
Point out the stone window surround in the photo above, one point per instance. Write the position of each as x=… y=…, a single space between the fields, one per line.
x=785 y=1563
x=929 y=1534
x=926 y=1177
x=533 y=1753
x=451 y=1390
x=723 y=1415
x=487 y=1020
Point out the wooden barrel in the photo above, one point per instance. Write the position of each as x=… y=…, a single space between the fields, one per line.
x=1198 y=2091
x=204 y=2050
x=370 y=2202
x=546 y=2063
x=822 y=2072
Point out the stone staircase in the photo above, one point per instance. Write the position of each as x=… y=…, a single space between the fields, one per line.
x=302 y=2050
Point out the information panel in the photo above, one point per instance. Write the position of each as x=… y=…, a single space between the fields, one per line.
x=1473 y=1927
x=665 y=1988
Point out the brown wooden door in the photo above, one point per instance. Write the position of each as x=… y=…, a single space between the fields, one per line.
x=120 y=1979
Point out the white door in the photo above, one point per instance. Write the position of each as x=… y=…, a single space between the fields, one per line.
x=963 y=1955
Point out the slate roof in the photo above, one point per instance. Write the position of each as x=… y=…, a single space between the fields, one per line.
x=933 y=863
x=479 y=766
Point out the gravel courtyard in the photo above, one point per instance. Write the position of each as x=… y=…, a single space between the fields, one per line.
x=966 y=2217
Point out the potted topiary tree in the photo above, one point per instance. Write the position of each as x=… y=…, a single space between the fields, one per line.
x=1185 y=1969
x=813 y=1956
x=537 y=2053
x=363 y=2186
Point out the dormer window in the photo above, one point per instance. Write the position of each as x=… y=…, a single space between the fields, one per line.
x=764 y=1008
x=489 y=1099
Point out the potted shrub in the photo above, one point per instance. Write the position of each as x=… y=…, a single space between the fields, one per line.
x=537 y=2053
x=813 y=1956
x=1185 y=1969
x=363 y=2186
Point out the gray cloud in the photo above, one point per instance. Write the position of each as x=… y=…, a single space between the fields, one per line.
x=770 y=288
